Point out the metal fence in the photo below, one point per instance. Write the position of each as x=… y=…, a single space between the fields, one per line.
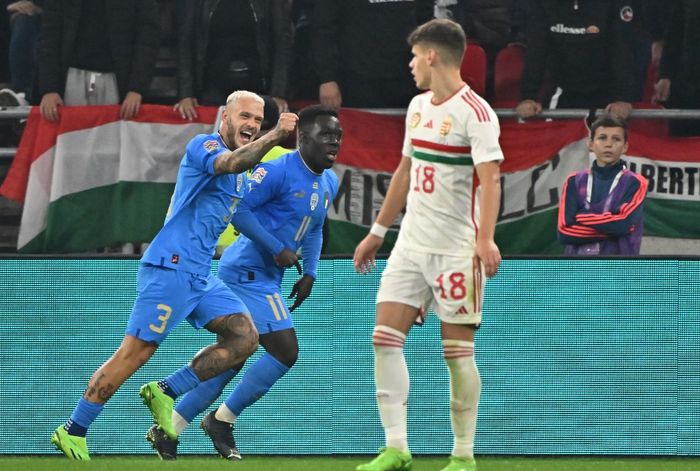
x=21 y=112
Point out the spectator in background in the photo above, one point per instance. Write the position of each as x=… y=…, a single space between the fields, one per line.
x=650 y=20
x=227 y=45
x=163 y=87
x=679 y=71
x=24 y=29
x=303 y=77
x=360 y=51
x=96 y=52
x=4 y=46
x=589 y=45
x=601 y=209
x=518 y=21
x=486 y=23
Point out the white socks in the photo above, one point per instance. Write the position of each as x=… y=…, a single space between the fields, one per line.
x=179 y=423
x=465 y=388
x=224 y=414
x=391 y=378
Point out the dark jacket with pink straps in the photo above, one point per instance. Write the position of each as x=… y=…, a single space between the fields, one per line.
x=601 y=211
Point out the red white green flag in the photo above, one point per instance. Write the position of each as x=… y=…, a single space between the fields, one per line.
x=93 y=180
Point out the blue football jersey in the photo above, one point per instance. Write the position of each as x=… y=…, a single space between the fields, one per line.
x=290 y=202
x=200 y=209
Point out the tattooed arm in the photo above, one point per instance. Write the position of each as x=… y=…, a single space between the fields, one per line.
x=249 y=155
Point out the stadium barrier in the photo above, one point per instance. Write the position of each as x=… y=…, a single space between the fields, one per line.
x=119 y=175
x=577 y=356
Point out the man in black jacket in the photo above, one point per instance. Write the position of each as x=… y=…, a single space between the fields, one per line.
x=227 y=45
x=96 y=52
x=587 y=45
x=679 y=71
x=359 y=47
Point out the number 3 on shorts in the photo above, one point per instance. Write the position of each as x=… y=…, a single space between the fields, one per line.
x=163 y=318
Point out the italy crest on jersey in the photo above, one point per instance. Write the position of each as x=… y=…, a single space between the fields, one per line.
x=314 y=201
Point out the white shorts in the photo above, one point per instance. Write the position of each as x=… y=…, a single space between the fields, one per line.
x=451 y=286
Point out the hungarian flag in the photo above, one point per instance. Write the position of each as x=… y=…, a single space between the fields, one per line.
x=538 y=158
x=93 y=180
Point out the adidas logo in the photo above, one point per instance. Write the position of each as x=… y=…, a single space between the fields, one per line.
x=429 y=124
x=462 y=310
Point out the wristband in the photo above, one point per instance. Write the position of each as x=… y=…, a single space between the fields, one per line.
x=378 y=230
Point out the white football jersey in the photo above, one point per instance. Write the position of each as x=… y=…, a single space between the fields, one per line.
x=445 y=141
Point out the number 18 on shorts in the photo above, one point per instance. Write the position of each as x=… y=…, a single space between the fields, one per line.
x=451 y=285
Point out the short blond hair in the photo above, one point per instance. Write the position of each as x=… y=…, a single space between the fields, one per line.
x=239 y=94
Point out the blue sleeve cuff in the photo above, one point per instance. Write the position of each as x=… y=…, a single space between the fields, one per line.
x=311 y=250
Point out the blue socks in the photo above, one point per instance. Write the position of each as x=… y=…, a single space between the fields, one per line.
x=256 y=381
x=83 y=416
x=204 y=395
x=180 y=382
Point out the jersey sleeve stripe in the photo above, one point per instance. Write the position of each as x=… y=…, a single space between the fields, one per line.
x=479 y=116
x=477 y=102
x=441 y=147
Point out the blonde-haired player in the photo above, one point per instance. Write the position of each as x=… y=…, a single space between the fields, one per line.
x=449 y=182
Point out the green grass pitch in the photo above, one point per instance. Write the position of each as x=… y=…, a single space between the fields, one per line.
x=332 y=463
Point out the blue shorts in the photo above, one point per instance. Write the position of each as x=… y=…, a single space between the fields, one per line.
x=166 y=297
x=266 y=305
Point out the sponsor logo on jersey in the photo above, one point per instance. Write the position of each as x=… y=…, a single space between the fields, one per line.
x=429 y=124
x=462 y=310
x=258 y=175
x=415 y=119
x=446 y=126
x=239 y=182
x=314 y=201
x=627 y=14
x=560 y=28
x=593 y=29
x=211 y=146
x=315 y=186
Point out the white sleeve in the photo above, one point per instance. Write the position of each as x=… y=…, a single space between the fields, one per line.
x=483 y=136
x=411 y=114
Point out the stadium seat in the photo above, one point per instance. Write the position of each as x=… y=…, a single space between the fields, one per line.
x=473 y=68
x=508 y=71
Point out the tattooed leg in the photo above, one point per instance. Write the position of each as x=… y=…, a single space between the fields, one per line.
x=237 y=339
x=129 y=357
